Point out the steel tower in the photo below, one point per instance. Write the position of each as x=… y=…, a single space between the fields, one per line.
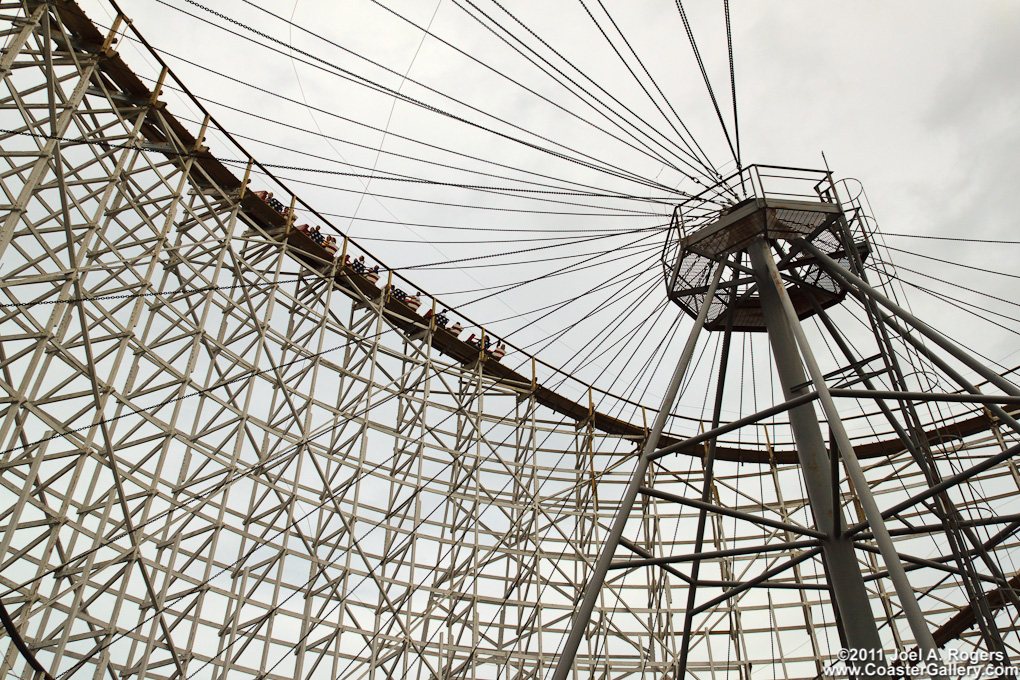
x=761 y=251
x=224 y=452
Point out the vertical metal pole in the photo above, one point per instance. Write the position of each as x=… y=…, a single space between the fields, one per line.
x=594 y=586
x=706 y=491
x=845 y=578
x=764 y=266
x=944 y=508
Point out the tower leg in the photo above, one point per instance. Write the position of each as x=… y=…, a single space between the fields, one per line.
x=924 y=329
x=844 y=575
x=583 y=614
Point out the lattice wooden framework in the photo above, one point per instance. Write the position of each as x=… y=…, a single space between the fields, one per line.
x=223 y=455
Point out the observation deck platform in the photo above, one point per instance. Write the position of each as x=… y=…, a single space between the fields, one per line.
x=727 y=222
x=709 y=229
x=362 y=289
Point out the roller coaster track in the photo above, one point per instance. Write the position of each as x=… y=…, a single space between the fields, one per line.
x=361 y=288
x=453 y=589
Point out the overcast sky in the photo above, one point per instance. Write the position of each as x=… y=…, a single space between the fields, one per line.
x=918 y=100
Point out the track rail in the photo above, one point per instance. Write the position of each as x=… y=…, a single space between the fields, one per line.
x=118 y=73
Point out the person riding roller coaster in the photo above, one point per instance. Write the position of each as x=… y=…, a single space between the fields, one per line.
x=477 y=342
x=442 y=319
